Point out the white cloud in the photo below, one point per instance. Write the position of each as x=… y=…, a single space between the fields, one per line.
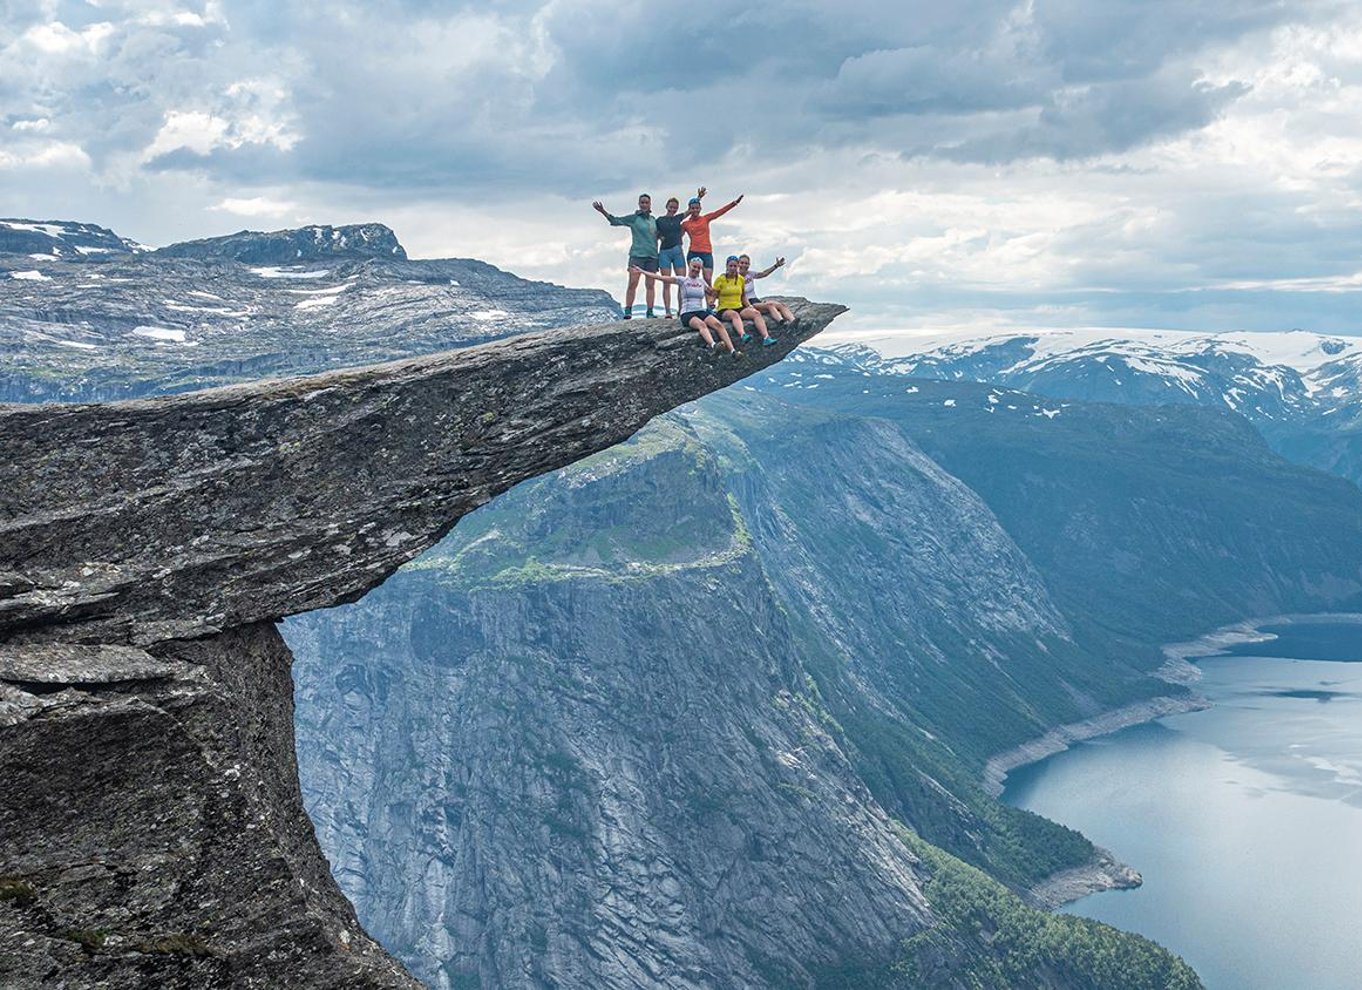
x=55 y=38
x=1072 y=161
x=256 y=206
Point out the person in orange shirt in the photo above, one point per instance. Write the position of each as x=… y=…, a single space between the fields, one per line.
x=696 y=226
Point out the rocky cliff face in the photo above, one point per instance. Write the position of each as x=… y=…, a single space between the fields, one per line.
x=801 y=610
x=151 y=829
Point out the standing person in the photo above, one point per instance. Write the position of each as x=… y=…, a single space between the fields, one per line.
x=642 y=251
x=776 y=310
x=692 y=299
x=731 y=289
x=671 y=260
x=696 y=227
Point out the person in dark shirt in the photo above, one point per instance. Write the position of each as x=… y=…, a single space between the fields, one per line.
x=671 y=259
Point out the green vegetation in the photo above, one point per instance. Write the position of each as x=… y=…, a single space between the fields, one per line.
x=989 y=939
x=16 y=891
x=89 y=939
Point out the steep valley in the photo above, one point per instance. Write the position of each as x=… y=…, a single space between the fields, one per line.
x=778 y=619
x=711 y=708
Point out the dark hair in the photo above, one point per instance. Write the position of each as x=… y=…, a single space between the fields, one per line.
x=673 y=199
x=748 y=257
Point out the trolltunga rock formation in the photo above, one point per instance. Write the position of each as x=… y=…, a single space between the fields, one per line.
x=151 y=829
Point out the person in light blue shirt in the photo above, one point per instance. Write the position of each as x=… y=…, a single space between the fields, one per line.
x=642 y=250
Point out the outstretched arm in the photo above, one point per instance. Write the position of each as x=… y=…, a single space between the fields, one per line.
x=613 y=220
x=652 y=277
x=767 y=271
x=723 y=209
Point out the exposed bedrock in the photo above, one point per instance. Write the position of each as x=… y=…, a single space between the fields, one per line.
x=151 y=828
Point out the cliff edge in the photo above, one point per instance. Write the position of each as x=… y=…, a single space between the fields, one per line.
x=151 y=828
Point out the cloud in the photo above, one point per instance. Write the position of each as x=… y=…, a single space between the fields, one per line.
x=1062 y=159
x=257 y=206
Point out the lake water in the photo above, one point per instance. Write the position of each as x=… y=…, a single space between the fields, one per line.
x=1245 y=820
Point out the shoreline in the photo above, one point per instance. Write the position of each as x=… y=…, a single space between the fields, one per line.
x=1061 y=737
x=1105 y=871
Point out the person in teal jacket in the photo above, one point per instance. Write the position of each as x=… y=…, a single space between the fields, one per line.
x=642 y=252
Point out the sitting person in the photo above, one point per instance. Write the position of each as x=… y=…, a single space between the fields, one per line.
x=692 y=298
x=732 y=290
x=778 y=311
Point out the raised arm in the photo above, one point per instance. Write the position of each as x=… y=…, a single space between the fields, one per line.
x=723 y=209
x=767 y=271
x=610 y=217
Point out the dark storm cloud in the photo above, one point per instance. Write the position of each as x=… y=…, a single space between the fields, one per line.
x=405 y=93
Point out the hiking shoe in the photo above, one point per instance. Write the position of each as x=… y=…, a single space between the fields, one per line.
x=769 y=341
x=745 y=337
x=667 y=315
x=649 y=315
x=627 y=315
x=737 y=354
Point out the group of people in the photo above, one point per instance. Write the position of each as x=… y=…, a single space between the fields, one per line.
x=703 y=301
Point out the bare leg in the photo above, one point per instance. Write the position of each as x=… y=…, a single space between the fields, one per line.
x=667 y=291
x=709 y=276
x=700 y=327
x=651 y=291
x=718 y=327
x=736 y=320
x=632 y=291
x=777 y=311
x=757 y=321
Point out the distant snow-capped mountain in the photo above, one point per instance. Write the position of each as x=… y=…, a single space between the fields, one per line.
x=88 y=315
x=61 y=239
x=1302 y=390
x=1265 y=376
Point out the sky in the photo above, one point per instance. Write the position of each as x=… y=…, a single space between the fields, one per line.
x=1185 y=164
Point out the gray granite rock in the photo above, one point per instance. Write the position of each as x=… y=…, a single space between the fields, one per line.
x=158 y=519
x=151 y=827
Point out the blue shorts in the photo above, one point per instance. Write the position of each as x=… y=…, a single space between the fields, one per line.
x=706 y=257
x=672 y=257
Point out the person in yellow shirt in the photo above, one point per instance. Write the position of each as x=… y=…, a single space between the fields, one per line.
x=732 y=305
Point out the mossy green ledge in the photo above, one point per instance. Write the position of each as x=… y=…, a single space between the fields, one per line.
x=150 y=817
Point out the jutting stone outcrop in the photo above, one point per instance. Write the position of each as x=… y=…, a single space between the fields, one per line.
x=151 y=829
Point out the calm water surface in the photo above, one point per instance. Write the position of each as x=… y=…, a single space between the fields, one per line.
x=1245 y=820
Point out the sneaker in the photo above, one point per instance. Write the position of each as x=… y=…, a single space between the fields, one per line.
x=668 y=315
x=628 y=314
x=768 y=342
x=745 y=337
x=737 y=354
x=649 y=315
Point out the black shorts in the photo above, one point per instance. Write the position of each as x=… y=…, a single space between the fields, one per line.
x=647 y=264
x=702 y=313
x=752 y=300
